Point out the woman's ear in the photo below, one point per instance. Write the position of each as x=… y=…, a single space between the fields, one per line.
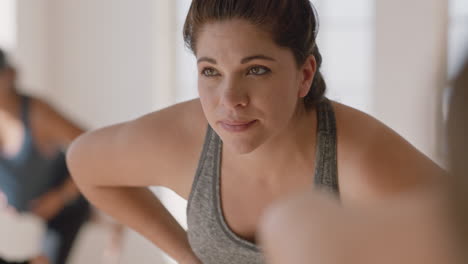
x=307 y=74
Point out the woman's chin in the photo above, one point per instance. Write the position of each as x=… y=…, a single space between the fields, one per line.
x=242 y=143
x=242 y=146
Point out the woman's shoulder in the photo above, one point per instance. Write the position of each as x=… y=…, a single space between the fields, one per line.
x=362 y=132
x=359 y=131
x=178 y=122
x=374 y=161
x=160 y=148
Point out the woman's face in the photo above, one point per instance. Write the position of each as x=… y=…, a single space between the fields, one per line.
x=249 y=87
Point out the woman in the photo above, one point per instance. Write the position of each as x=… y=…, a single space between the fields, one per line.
x=264 y=130
x=33 y=172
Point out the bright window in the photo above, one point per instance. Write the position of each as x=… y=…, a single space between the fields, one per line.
x=347 y=68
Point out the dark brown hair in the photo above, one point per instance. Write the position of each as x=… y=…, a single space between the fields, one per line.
x=3 y=60
x=292 y=24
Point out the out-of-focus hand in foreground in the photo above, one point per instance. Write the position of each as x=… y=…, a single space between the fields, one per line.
x=315 y=228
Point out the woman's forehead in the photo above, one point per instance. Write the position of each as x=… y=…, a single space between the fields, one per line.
x=233 y=28
x=234 y=35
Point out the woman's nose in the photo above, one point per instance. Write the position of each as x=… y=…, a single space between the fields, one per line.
x=234 y=95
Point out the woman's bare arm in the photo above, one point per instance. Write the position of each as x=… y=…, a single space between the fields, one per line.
x=113 y=167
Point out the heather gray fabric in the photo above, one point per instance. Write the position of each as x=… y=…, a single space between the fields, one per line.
x=326 y=168
x=209 y=235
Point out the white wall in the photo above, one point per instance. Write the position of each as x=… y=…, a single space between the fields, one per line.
x=31 y=50
x=7 y=24
x=102 y=58
x=98 y=61
x=410 y=59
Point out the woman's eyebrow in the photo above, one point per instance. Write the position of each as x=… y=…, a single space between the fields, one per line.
x=256 y=57
x=243 y=61
x=210 y=60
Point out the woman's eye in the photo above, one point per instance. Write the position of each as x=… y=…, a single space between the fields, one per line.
x=258 y=70
x=209 y=72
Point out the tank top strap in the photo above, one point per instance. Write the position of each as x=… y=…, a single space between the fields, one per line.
x=25 y=111
x=326 y=168
x=209 y=159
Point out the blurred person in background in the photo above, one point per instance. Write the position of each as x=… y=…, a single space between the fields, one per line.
x=33 y=173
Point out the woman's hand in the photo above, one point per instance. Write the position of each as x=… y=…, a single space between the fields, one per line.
x=4 y=207
x=310 y=228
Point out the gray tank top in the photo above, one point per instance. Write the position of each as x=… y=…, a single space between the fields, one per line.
x=209 y=235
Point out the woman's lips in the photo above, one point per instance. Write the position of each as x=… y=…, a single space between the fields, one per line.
x=236 y=126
